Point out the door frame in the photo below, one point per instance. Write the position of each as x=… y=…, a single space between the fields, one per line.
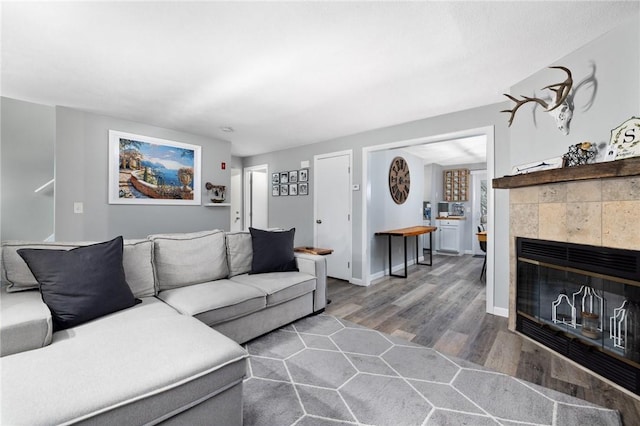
x=348 y=152
x=489 y=133
x=248 y=207
x=235 y=198
x=475 y=197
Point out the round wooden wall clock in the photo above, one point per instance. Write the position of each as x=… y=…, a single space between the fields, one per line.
x=399 y=181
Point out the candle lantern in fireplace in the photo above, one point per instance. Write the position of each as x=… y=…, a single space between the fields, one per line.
x=592 y=310
x=590 y=325
x=563 y=311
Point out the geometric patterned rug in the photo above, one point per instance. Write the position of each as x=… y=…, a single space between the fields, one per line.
x=322 y=370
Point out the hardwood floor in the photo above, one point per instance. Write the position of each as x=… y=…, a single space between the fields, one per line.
x=443 y=307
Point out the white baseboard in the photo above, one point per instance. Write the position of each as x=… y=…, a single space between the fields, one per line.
x=357 y=281
x=501 y=312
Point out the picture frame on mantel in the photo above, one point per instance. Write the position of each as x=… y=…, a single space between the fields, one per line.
x=624 y=141
x=147 y=170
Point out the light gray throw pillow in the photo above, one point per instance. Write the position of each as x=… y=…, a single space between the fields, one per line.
x=239 y=252
x=136 y=260
x=189 y=258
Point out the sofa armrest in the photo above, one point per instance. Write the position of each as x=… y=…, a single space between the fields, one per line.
x=317 y=266
x=25 y=322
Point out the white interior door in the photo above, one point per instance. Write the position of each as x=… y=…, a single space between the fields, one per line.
x=332 y=200
x=256 y=205
x=236 y=200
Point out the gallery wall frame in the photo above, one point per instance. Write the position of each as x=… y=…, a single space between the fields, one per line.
x=303 y=188
x=146 y=170
x=290 y=183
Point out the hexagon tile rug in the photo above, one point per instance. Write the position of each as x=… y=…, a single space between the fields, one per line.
x=322 y=370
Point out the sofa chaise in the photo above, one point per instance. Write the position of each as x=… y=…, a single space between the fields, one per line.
x=172 y=358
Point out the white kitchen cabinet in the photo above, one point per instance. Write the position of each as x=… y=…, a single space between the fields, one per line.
x=450 y=236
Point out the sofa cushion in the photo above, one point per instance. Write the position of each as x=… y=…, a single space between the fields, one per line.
x=138 y=267
x=15 y=272
x=239 y=252
x=81 y=284
x=279 y=286
x=25 y=322
x=135 y=366
x=272 y=251
x=136 y=260
x=216 y=301
x=189 y=258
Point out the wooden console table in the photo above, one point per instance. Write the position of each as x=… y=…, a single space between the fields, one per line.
x=412 y=231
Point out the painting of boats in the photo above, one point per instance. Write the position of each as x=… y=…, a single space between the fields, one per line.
x=146 y=170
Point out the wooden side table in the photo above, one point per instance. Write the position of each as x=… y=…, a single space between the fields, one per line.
x=313 y=250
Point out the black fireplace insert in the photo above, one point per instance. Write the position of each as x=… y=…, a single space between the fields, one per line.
x=583 y=302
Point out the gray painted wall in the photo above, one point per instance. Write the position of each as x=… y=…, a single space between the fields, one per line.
x=81 y=175
x=389 y=215
x=616 y=59
x=428 y=181
x=28 y=140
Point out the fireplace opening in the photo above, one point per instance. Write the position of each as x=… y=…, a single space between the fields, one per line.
x=584 y=303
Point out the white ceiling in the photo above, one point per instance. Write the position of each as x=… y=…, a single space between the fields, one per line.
x=452 y=152
x=286 y=74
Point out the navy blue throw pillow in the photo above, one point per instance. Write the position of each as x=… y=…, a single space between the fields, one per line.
x=272 y=251
x=81 y=284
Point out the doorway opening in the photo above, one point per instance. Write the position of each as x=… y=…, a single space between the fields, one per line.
x=479 y=202
x=367 y=207
x=256 y=201
x=236 y=201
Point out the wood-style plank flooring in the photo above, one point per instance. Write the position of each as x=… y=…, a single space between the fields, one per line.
x=443 y=307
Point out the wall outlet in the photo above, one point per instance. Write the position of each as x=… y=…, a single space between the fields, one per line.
x=78 y=207
x=304 y=164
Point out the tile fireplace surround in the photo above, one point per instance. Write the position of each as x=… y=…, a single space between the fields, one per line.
x=581 y=206
x=599 y=212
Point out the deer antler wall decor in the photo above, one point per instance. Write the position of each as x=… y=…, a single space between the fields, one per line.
x=561 y=108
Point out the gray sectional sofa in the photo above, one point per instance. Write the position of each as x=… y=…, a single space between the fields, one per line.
x=174 y=358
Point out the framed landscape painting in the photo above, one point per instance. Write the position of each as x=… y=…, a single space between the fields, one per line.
x=146 y=170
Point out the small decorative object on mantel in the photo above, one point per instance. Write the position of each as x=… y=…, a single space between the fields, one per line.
x=536 y=166
x=560 y=108
x=217 y=192
x=625 y=140
x=579 y=154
